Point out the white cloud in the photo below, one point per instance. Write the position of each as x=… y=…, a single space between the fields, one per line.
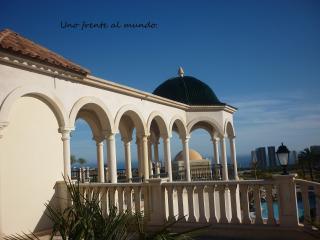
x=262 y=121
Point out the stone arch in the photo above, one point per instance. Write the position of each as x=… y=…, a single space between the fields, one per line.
x=159 y=118
x=181 y=125
x=98 y=107
x=135 y=115
x=209 y=122
x=229 y=129
x=39 y=92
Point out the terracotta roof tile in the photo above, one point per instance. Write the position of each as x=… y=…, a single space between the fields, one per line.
x=15 y=43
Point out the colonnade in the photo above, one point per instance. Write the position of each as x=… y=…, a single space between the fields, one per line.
x=148 y=154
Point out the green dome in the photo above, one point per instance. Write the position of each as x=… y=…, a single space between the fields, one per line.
x=188 y=90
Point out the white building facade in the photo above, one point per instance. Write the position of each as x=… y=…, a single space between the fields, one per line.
x=42 y=95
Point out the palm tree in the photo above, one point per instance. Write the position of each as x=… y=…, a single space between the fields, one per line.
x=73 y=159
x=82 y=161
x=307 y=157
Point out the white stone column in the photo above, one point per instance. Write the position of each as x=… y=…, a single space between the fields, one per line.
x=145 y=157
x=215 y=143
x=112 y=162
x=224 y=159
x=216 y=160
x=139 y=153
x=150 y=157
x=156 y=157
x=167 y=156
x=127 y=154
x=185 y=143
x=99 y=144
x=234 y=157
x=66 y=152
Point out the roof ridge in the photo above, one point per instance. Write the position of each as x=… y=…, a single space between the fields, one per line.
x=12 y=41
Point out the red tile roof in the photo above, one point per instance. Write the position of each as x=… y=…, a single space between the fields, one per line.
x=15 y=43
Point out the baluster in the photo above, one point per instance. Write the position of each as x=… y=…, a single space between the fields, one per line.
x=202 y=216
x=137 y=199
x=223 y=216
x=181 y=215
x=306 y=206
x=95 y=194
x=245 y=203
x=317 y=192
x=191 y=217
x=271 y=219
x=120 y=199
x=212 y=207
x=112 y=198
x=128 y=194
x=146 y=203
x=233 y=192
x=104 y=202
x=170 y=203
x=257 y=204
x=82 y=194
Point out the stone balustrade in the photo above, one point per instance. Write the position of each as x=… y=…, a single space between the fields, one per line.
x=246 y=202
x=309 y=192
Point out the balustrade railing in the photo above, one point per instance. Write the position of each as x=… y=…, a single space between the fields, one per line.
x=125 y=196
x=308 y=195
x=221 y=201
x=280 y=201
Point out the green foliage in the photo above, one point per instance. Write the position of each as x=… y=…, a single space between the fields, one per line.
x=84 y=220
x=82 y=161
x=306 y=159
x=74 y=160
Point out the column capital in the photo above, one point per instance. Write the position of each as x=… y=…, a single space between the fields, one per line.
x=144 y=138
x=109 y=135
x=185 y=139
x=215 y=139
x=155 y=142
x=98 y=139
x=232 y=138
x=222 y=138
x=126 y=139
x=65 y=133
x=3 y=125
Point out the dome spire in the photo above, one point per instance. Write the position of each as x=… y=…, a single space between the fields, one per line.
x=180 y=72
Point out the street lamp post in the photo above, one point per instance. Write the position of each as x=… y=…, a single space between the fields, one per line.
x=283 y=157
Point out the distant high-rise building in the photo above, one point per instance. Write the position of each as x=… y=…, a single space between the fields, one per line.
x=272 y=156
x=254 y=158
x=293 y=157
x=315 y=149
x=262 y=157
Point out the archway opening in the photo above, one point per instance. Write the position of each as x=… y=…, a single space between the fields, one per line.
x=88 y=144
x=131 y=130
x=178 y=134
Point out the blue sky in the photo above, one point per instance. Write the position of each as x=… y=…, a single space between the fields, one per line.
x=260 y=56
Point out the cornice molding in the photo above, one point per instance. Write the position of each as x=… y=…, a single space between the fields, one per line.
x=35 y=66
x=23 y=63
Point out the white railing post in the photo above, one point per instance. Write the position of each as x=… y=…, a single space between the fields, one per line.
x=157 y=208
x=234 y=204
x=61 y=192
x=288 y=213
x=190 y=191
x=306 y=205
x=244 y=199
x=180 y=194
